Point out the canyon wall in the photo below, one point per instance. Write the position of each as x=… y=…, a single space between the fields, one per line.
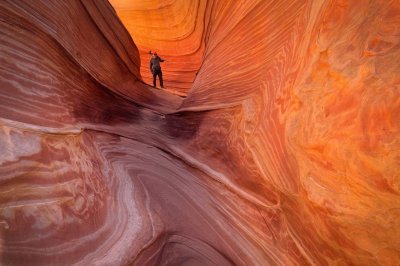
x=176 y=30
x=284 y=152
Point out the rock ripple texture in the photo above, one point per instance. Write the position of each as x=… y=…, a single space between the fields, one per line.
x=286 y=150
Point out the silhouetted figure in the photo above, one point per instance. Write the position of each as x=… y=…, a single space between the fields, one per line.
x=155 y=68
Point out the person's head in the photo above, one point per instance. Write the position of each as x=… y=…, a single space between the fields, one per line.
x=155 y=53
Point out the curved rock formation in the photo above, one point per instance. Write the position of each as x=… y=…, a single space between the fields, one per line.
x=284 y=152
x=175 y=29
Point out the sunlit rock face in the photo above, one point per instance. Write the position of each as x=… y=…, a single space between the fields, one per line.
x=284 y=152
x=175 y=29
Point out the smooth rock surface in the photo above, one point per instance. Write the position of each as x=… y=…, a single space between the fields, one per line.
x=176 y=30
x=286 y=150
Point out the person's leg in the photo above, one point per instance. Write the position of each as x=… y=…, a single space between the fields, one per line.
x=161 y=80
x=154 y=78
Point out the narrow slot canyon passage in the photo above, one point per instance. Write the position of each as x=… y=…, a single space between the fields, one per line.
x=174 y=29
x=274 y=142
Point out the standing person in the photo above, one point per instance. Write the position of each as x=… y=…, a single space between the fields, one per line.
x=155 y=68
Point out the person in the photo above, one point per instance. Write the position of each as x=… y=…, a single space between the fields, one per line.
x=155 y=68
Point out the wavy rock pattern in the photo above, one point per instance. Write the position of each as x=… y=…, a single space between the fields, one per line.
x=175 y=29
x=284 y=152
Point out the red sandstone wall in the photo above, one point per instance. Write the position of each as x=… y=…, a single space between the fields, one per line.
x=176 y=30
x=285 y=151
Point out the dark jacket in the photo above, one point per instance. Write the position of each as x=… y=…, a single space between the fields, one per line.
x=155 y=63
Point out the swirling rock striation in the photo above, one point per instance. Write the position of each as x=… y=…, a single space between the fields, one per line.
x=176 y=30
x=284 y=152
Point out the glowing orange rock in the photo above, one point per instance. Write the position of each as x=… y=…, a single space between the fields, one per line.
x=175 y=30
x=284 y=152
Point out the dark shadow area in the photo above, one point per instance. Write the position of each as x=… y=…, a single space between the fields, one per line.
x=105 y=107
x=183 y=125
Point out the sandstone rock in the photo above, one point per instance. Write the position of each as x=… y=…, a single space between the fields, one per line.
x=284 y=152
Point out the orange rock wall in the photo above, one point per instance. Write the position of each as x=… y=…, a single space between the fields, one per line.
x=175 y=30
x=284 y=152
